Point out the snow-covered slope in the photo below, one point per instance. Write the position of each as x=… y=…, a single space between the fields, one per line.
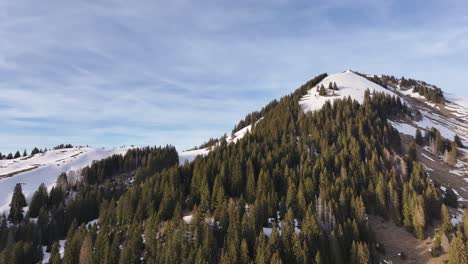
x=44 y=168
x=348 y=83
x=190 y=155
x=450 y=118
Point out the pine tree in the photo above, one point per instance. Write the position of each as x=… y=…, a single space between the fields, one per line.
x=55 y=255
x=322 y=91
x=446 y=225
x=418 y=138
x=458 y=252
x=25 y=154
x=465 y=223
x=244 y=254
x=131 y=251
x=452 y=154
x=318 y=258
x=17 y=155
x=34 y=151
x=436 y=247
x=276 y=258
x=419 y=217
x=86 y=251
x=458 y=141
x=412 y=152
x=39 y=199
x=18 y=202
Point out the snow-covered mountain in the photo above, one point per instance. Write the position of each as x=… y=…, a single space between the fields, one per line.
x=349 y=84
x=449 y=117
x=44 y=168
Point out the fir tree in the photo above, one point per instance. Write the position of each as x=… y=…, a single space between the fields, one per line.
x=446 y=225
x=418 y=138
x=18 y=202
x=322 y=91
x=458 y=253
x=39 y=199
x=55 y=255
x=86 y=251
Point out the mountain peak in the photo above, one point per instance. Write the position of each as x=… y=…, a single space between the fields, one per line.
x=347 y=83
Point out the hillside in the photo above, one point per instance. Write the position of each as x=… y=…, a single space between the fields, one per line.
x=315 y=177
x=45 y=167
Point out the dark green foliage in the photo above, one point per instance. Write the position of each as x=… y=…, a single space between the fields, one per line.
x=458 y=141
x=322 y=91
x=430 y=92
x=35 y=151
x=418 y=137
x=55 y=255
x=148 y=160
x=63 y=146
x=319 y=174
x=39 y=199
x=18 y=201
x=451 y=198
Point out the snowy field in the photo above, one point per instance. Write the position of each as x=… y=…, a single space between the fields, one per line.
x=348 y=83
x=190 y=155
x=44 y=168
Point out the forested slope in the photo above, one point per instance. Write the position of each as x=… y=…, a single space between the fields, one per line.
x=297 y=188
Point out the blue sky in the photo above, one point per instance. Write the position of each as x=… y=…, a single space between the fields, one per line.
x=111 y=73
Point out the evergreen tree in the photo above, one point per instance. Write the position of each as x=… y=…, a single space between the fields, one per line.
x=34 y=151
x=458 y=141
x=18 y=202
x=451 y=155
x=39 y=199
x=465 y=223
x=446 y=225
x=86 y=251
x=17 y=155
x=322 y=91
x=419 y=217
x=131 y=251
x=418 y=138
x=412 y=152
x=55 y=255
x=458 y=253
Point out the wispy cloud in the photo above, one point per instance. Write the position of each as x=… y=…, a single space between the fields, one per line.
x=155 y=72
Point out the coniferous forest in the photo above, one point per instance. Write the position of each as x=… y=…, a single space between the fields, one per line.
x=298 y=188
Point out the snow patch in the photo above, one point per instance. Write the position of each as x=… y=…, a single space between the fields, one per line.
x=45 y=168
x=404 y=128
x=348 y=83
x=190 y=155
